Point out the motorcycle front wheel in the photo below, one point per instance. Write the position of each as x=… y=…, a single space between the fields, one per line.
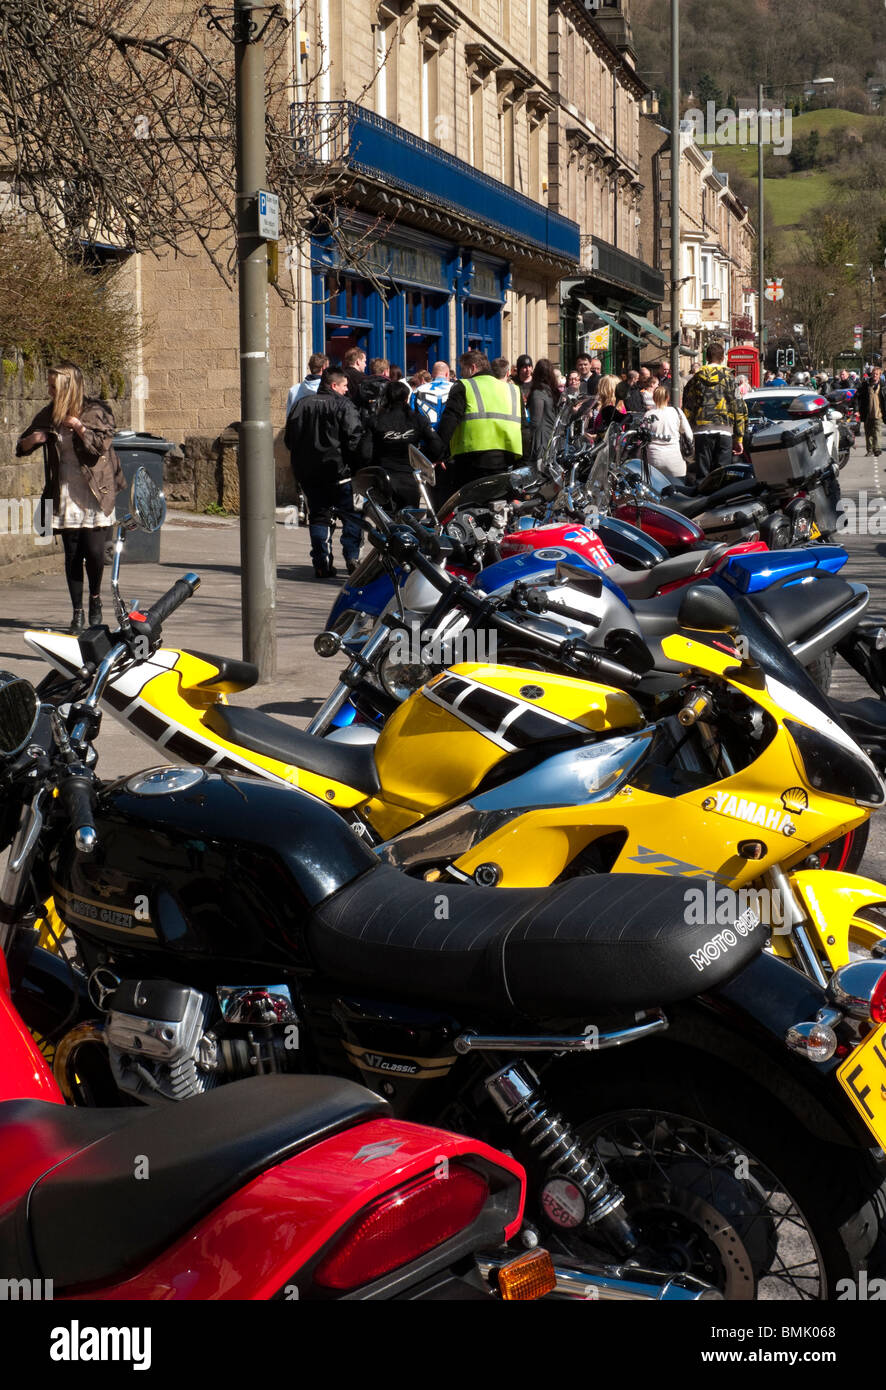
x=725 y=1187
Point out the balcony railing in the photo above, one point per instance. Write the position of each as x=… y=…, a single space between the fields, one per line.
x=344 y=134
x=613 y=264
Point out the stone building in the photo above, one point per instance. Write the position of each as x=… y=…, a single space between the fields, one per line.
x=595 y=178
x=431 y=120
x=716 y=241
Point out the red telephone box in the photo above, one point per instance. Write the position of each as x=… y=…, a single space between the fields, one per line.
x=745 y=360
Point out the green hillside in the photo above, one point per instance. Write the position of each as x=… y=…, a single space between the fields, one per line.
x=791 y=198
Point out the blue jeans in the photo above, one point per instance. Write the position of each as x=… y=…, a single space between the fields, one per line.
x=326 y=500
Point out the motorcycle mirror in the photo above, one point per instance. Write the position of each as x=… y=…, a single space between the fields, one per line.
x=146 y=502
x=367 y=478
x=630 y=649
x=18 y=713
x=587 y=581
x=422 y=466
x=707 y=609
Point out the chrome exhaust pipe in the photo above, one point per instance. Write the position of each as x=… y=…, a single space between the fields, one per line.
x=615 y=1283
x=66 y=1053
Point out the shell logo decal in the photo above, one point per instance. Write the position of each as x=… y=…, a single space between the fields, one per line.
x=795 y=800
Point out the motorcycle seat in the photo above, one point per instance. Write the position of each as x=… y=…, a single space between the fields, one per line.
x=233 y=675
x=596 y=943
x=800 y=608
x=704 y=502
x=641 y=584
x=352 y=764
x=87 y=1219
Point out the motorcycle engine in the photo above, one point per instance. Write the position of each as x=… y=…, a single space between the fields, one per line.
x=168 y=1042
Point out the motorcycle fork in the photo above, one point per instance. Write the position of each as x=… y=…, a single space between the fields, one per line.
x=794 y=925
x=16 y=876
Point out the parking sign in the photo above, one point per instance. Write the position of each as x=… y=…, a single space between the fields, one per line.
x=268 y=215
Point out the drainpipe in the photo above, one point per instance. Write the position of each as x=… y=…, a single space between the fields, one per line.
x=615 y=72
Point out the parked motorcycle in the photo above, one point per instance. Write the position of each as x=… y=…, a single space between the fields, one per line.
x=286 y=1187
x=214 y=915
x=615 y=715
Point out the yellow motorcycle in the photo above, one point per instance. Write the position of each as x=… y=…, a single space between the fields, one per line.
x=507 y=776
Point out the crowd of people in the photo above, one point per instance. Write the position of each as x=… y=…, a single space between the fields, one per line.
x=494 y=414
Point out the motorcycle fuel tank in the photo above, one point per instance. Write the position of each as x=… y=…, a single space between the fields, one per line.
x=204 y=864
x=672 y=530
x=465 y=721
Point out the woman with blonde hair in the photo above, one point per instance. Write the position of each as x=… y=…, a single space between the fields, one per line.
x=82 y=479
x=608 y=407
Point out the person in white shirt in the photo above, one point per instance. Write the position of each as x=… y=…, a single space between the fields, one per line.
x=666 y=424
x=431 y=398
x=317 y=364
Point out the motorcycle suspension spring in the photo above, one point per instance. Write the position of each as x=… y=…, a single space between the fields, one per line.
x=517 y=1093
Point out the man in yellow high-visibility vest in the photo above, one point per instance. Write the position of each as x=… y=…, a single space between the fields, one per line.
x=482 y=425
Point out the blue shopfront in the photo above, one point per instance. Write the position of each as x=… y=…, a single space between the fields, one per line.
x=424 y=294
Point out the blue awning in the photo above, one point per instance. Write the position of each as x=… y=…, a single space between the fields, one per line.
x=343 y=132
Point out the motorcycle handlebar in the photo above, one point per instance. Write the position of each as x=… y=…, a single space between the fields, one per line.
x=405 y=548
x=150 y=624
x=77 y=793
x=610 y=672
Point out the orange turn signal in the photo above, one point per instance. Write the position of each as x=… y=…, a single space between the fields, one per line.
x=529 y=1276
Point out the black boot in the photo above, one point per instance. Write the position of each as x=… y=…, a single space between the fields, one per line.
x=77 y=624
x=95 y=610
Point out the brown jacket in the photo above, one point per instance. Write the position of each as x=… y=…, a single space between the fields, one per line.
x=97 y=458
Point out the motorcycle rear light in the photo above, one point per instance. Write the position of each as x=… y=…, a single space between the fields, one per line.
x=859 y=989
x=529 y=1276
x=878 y=1001
x=403 y=1226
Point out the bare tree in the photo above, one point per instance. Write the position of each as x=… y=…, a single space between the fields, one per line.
x=112 y=128
x=812 y=300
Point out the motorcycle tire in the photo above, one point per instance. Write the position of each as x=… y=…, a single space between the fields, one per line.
x=822 y=669
x=718 y=1144
x=846 y=852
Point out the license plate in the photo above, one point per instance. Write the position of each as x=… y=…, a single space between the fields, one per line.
x=863 y=1078
x=814 y=533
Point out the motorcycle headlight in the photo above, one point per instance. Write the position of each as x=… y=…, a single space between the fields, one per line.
x=401 y=679
x=834 y=769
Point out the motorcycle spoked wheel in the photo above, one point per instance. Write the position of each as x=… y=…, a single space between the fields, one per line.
x=724 y=1190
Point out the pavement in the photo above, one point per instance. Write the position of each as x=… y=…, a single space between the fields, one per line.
x=210 y=621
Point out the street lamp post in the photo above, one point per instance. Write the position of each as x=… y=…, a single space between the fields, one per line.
x=258 y=539
x=761 y=328
x=761 y=325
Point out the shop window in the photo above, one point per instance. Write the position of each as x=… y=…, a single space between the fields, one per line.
x=427 y=329
x=482 y=327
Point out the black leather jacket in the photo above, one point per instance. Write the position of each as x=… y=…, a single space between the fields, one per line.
x=323 y=436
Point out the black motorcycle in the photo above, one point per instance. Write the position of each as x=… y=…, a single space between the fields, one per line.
x=671 y=1088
